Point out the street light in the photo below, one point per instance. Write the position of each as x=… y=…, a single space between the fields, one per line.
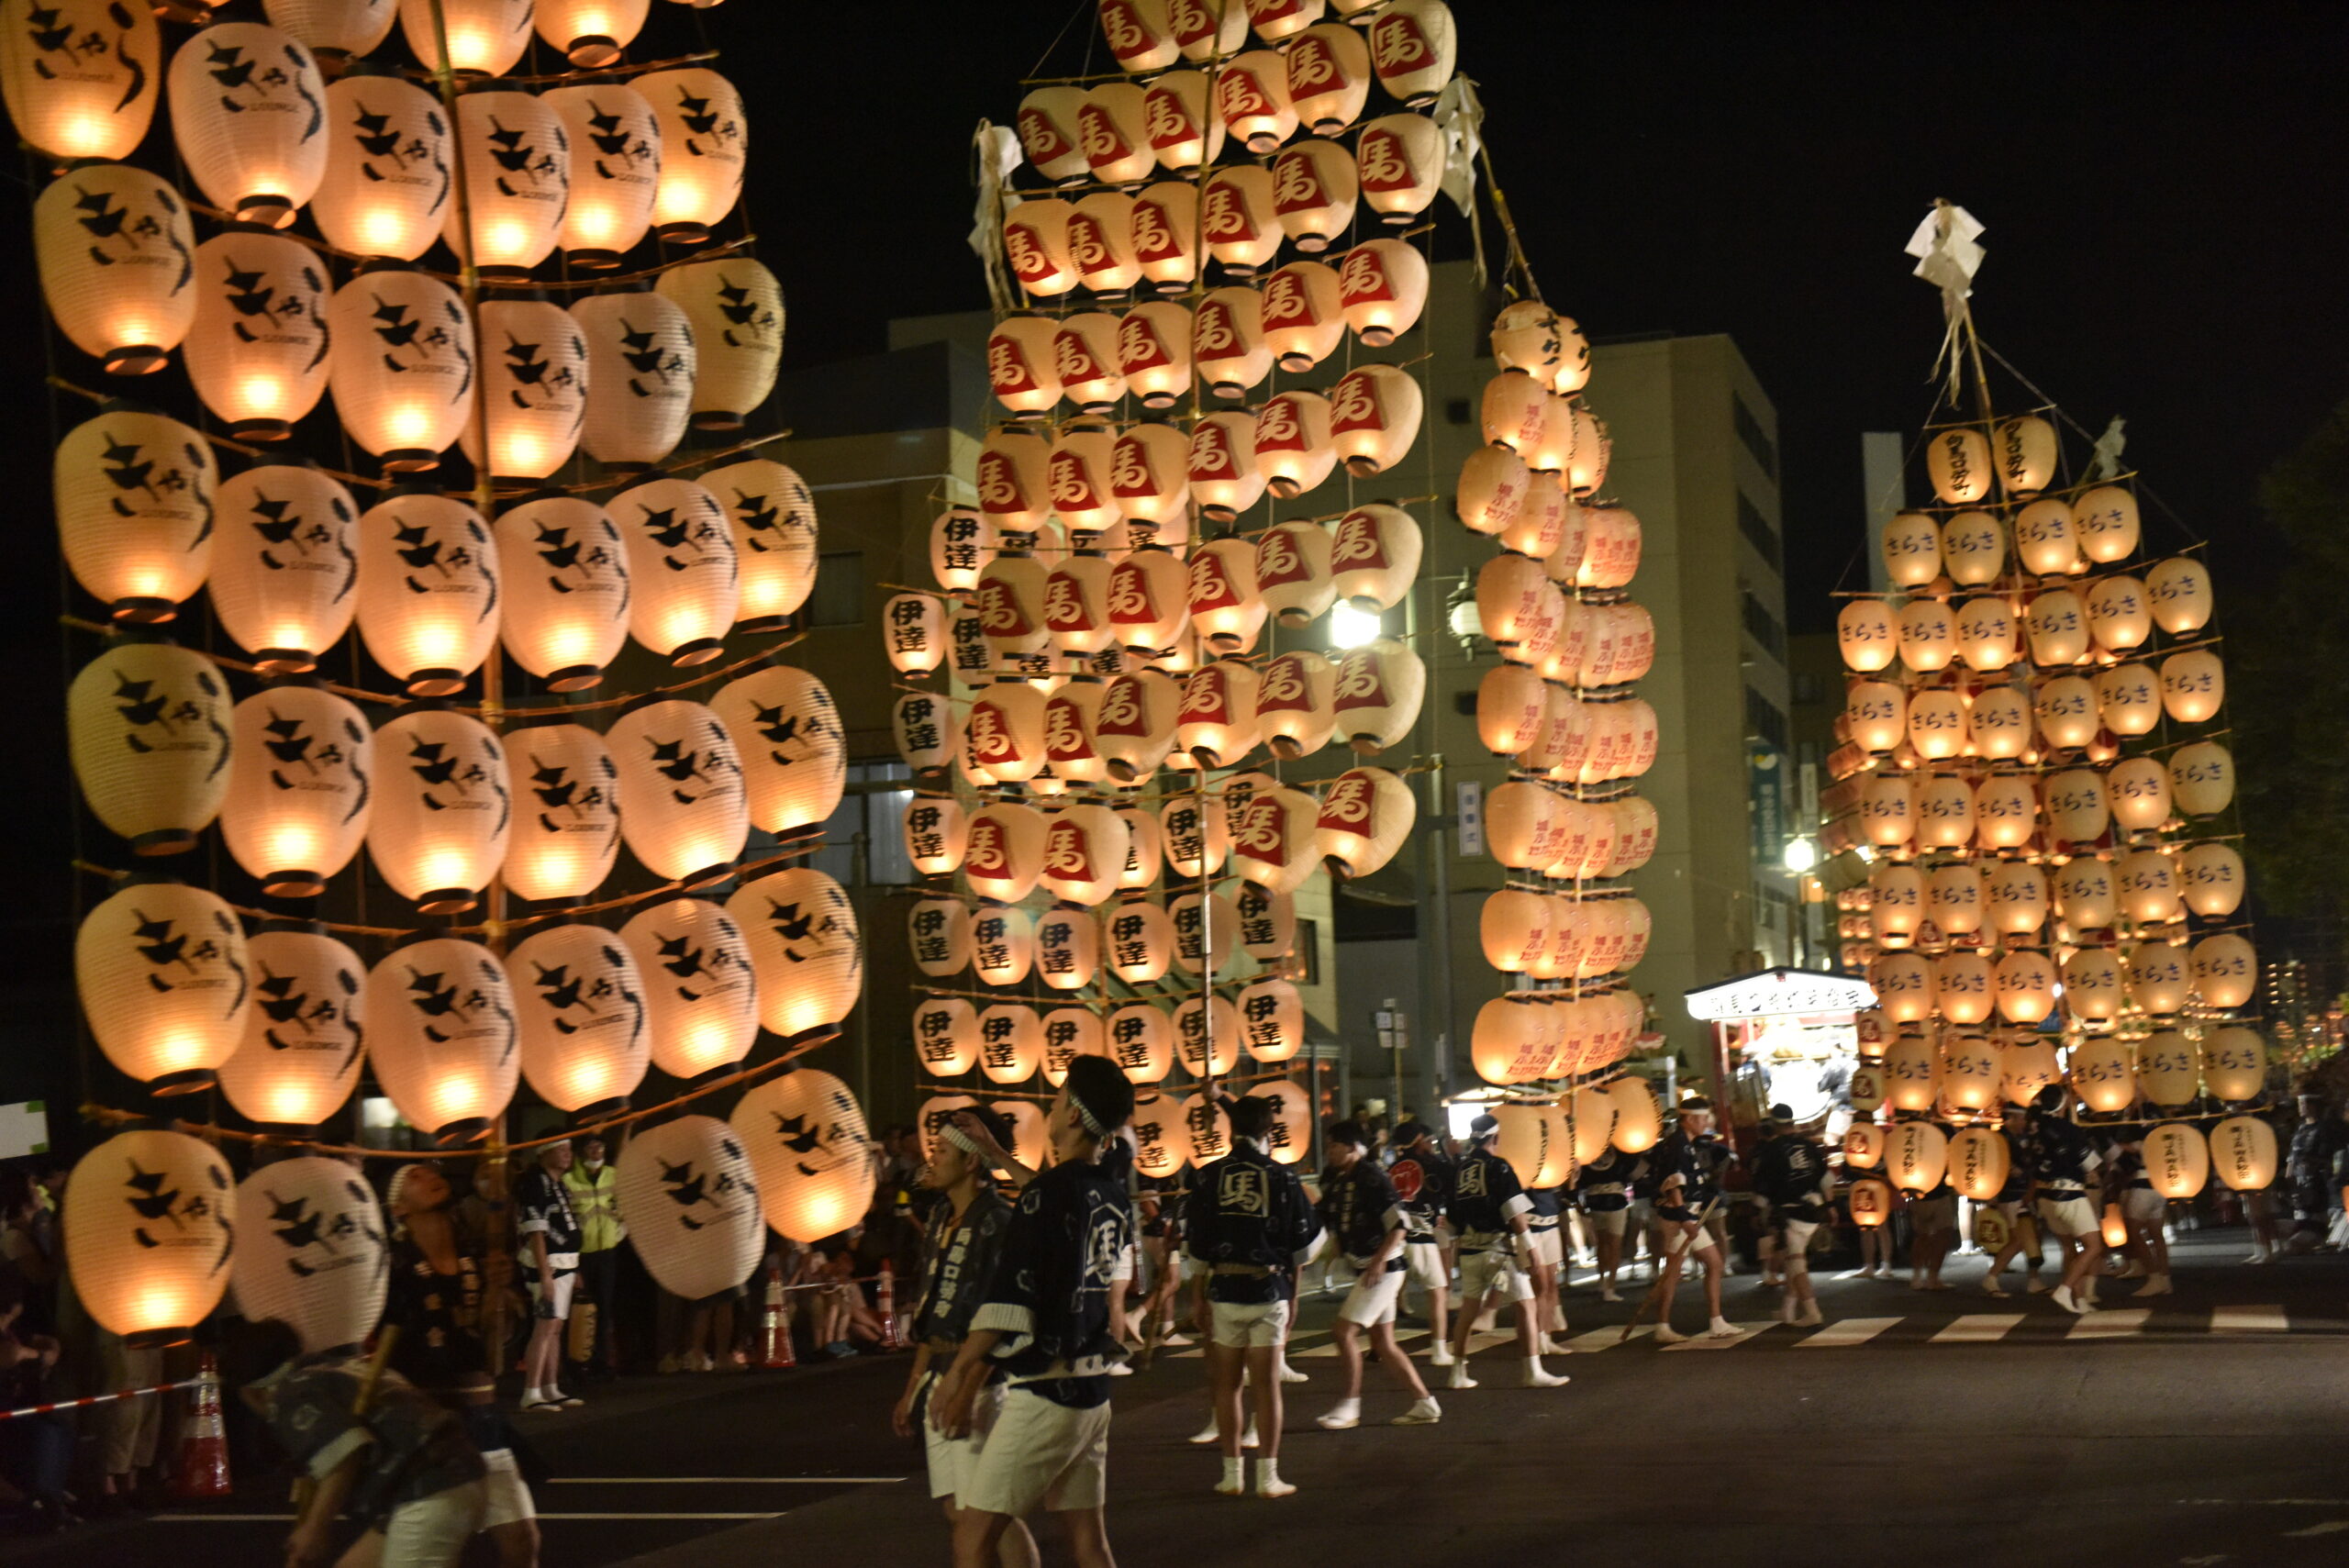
x=1351 y=627
x=1801 y=856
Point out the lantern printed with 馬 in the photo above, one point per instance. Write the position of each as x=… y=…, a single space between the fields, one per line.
x=687 y=817
x=1229 y=352
x=1374 y=557
x=300 y=776
x=249 y=119
x=1294 y=716
x=617 y=153
x=688 y=1193
x=1237 y=222
x=1179 y=122
x=81 y=76
x=429 y=581
x=567 y=590
x=786 y=735
x=305 y=1035
x=1085 y=851
x=1004 y=733
x=1365 y=815
x=685 y=573
x=312 y=1252
x=148 y=1232
x=804 y=948
x=148 y=730
x=133 y=494
x=1273 y=842
x=1376 y=698
x=1049 y=135
x=403 y=383
x=735 y=307
x=165 y=984
x=1374 y=418
x=567 y=834
x=583 y=1021
x=701 y=995
x=641 y=361
x=118 y=270
x=517 y=163
x=443 y=808
x=441 y=1037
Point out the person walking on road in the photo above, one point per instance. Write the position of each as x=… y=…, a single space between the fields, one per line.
x=1604 y=1187
x=2143 y=1211
x=1422 y=1178
x=2021 y=1229
x=1361 y=1210
x=1689 y=1186
x=1045 y=1325
x=1249 y=1223
x=967 y=1221
x=1792 y=1176
x=2061 y=1160
x=1489 y=1213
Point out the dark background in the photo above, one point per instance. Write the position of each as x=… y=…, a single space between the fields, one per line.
x=2160 y=182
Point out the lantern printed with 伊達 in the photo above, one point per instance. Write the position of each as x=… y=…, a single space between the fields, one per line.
x=805 y=1136
x=249 y=119
x=312 y=1252
x=641 y=361
x=1068 y=948
x=300 y=776
x=428 y=590
x=443 y=808
x=1069 y=1033
x=134 y=499
x=687 y=816
x=616 y=167
x=946 y=1036
x=403 y=384
x=772 y=516
x=786 y=734
x=305 y=1035
x=582 y=1018
x=534 y=389
x=939 y=935
x=705 y=141
x=441 y=1038
x=735 y=307
x=1205 y=932
x=567 y=590
x=684 y=572
x=700 y=994
x=117 y=269
x=147 y=728
x=283 y=571
x=81 y=76
x=688 y=1194
x=1365 y=815
x=149 y=1233
x=1162 y=1135
x=1207 y=1035
x=567 y=834
x=165 y=984
x=802 y=933
x=916 y=629
x=1011 y=1043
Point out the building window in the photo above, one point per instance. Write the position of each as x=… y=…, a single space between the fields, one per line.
x=1757 y=440
x=1809 y=689
x=873 y=809
x=1763 y=721
x=838 y=598
x=1758 y=531
x=1763 y=626
x=1455 y=410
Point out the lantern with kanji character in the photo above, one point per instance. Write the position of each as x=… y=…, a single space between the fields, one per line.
x=148 y=1229
x=705 y=141
x=805 y=950
x=165 y=983
x=583 y=1024
x=440 y=1037
x=2177 y=1160
x=688 y=1193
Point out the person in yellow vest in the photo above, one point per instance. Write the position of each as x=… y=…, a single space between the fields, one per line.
x=593 y=1187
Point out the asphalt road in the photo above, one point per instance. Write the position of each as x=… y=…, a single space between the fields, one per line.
x=2209 y=1428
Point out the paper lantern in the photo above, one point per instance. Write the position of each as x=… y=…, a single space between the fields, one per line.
x=925 y=731
x=387 y=185
x=1035 y=245
x=1139 y=35
x=806 y=1138
x=1293 y=704
x=2178 y=1161
x=1205 y=929
x=1972 y=549
x=2125 y=699
x=584 y=1025
x=688 y=815
x=705 y=143
x=1896 y=895
x=2078 y=811
x=1019 y=365
x=1141 y=1042
x=2105 y=521
x=2139 y=792
x=1382 y=288
x=428 y=590
x=683 y=571
x=1225 y=607
x=148 y=1232
x=688 y=1193
x=1888 y=810
x=1510 y=700
x=1139 y=941
x=1958 y=459
x=787 y=733
x=1084 y=851
x=133 y=494
x=567 y=590
x=299 y=775
x=2044 y=541
x=2226 y=971
x=2211 y=877
x=1049 y=134
x=2085 y=895
x=934 y=1113
x=1207 y=1035
x=1084 y=356
x=485 y=37
x=2158 y=977
x=304 y=1036
x=147 y=728
x=591 y=33
x=2093 y=985
x=1378 y=695
x=804 y=948
x=1274 y=844
x=2117 y=618
x=2202 y=778
x=1375 y=556
x=1162 y=1135
x=1509 y=1044
x=615 y=169
x=1961 y=990
x=2027 y=455
x=1636 y=1117
x=1238 y=222
x=1985 y=634
x=2243 y=1148
x=2167 y=1068
x=772 y=516
x=1313 y=194
x=1068 y=948
x=1877 y=714
x=117 y=262
x=1374 y=418
x=1294 y=455
x=81 y=75
x=442 y=810
x=1069 y=1033
x=1937 y=725
x=1400 y=159
x=165 y=983
x=568 y=833
x=938 y=933
x=1915 y=1155
x=404 y=383
x=1869 y=1200
x=735 y=306
x=2025 y=985
x=2067 y=711
x=641 y=361
x=1006 y=852
x=534 y=374
x=249 y=117
x=2193 y=685
x=1002 y=946
x=2056 y=625
x=2234 y=1062
x=1166 y=235
x=700 y=994
x=937 y=830
x=1913 y=550
x=2029 y=1067
x=1977 y=1162
x=1252 y=99
x=1969 y=1075
x=1364 y=819
x=1179 y=122
x=1911 y=1067
x=2179 y=589
x=440 y=1037
x=2101 y=1076
x=1005 y=732
x=1928 y=636
x=1014 y=482
x=283 y=566
x=516 y=161
x=1864 y=1145
x=1011 y=1043
x=1413 y=44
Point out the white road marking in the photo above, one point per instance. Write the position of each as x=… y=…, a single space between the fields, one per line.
x=1845 y=1332
x=1402 y=1337
x=2249 y=1320
x=1977 y=1328
x=1602 y=1339
x=724 y=1480
x=2328 y=1527
x=287 y=1518
x=1706 y=1343
x=2113 y=1324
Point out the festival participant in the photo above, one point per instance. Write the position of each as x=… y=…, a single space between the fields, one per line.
x=1250 y=1226
x=1159 y=1203
x=1489 y=1213
x=1045 y=1324
x=1543 y=1227
x=1792 y=1177
x=1360 y=1210
x=2022 y=1233
x=964 y=1236
x=1422 y=1178
x=1604 y=1189
x=2143 y=1211
x=2060 y=1159
x=1688 y=1185
x=1932 y=1231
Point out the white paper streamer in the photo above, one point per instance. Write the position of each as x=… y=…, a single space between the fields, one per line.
x=1947 y=257
x=997 y=149
x=1460 y=115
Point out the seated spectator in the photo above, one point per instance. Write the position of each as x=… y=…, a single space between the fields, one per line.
x=36 y=1451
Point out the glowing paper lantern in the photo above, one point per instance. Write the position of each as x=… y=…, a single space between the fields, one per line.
x=1869 y=1201
x=1864 y=1145
x=568 y=832
x=116 y=265
x=615 y=169
x=772 y=516
x=2211 y=879
x=2102 y=1075
x=1329 y=77
x=428 y=590
x=2085 y=896
x=1912 y=1070
x=1637 y=1118
x=2234 y=1062
x=735 y=307
x=2225 y=969
x=1382 y=288
x=133 y=494
x=1138 y=33
x=1161 y=1134
x=81 y=75
x=304 y=1034
x=804 y=948
x=2243 y=1150
x=1364 y=819
x=534 y=374
x=1140 y=940
x=2180 y=591
x=298 y=785
x=1413 y=44
x=687 y=816
x=641 y=362
x=1399 y=160
x=2106 y=521
x=147 y=728
x=684 y=572
x=442 y=811
x=1374 y=418
x=1005 y=732
x=1961 y=990
x=2093 y=986
x=1069 y=1033
x=1913 y=550
x=1973 y=547
x=1378 y=695
x=583 y=1018
x=1969 y=1076
x=1915 y=1155
x=1141 y=1042
x=786 y=733
x=925 y=731
x=485 y=37
x=2029 y=1066
x=1313 y=195
x=387 y=185
x=567 y=590
x=1958 y=459
x=1084 y=851
x=283 y=566
x=688 y=1194
x=1011 y=1043
x=257 y=351
x=2202 y=778
x=2044 y=541
x=1252 y=99
x=165 y=984
x=938 y=933
x=704 y=143
x=1165 y=234
x=1068 y=948
x=440 y=1036
x=2178 y=1161
x=1374 y=557
x=590 y=33
x=516 y=162
x=934 y=1113
x=147 y=1228
x=806 y=1138
x=2158 y=979
x=701 y=995
x=403 y=384
x=2167 y=1068
x=1207 y=1035
x=1005 y=857
x=249 y=116
x=1205 y=929
x=2194 y=684
x=1977 y=1162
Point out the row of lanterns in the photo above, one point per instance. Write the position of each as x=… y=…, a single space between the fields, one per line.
x=2077 y=805
x=1917 y=1156
x=1964 y=1073
x=2054 y=628
x=1011 y=1042
x=1905 y=903
x=1140 y=940
x=2033 y=718
x=298 y=779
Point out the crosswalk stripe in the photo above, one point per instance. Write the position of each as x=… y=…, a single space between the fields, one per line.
x=1845 y=1332
x=2113 y=1324
x=1402 y=1337
x=1601 y=1339
x=1977 y=1328
x=2250 y=1320
x=1706 y=1342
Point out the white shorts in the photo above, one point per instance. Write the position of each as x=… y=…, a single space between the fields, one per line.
x=1548 y=1249
x=1371 y=1300
x=508 y=1494
x=1608 y=1222
x=1423 y=1265
x=1796 y=1250
x=431 y=1532
x=564 y=1284
x=2142 y=1205
x=2068 y=1216
x=952 y=1459
x=1124 y=1269
x=1496 y=1268
x=1238 y=1325
x=1041 y=1453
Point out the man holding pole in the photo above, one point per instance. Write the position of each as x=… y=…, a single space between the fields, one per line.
x=1490 y=1215
x=1688 y=1188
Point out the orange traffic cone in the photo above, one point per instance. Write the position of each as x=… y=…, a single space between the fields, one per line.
x=775 y=1327
x=202 y=1467
x=891 y=1339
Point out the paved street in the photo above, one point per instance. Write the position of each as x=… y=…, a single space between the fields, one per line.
x=2203 y=1429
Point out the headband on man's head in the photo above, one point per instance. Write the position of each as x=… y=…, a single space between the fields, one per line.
x=1093 y=1124
x=960 y=1140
